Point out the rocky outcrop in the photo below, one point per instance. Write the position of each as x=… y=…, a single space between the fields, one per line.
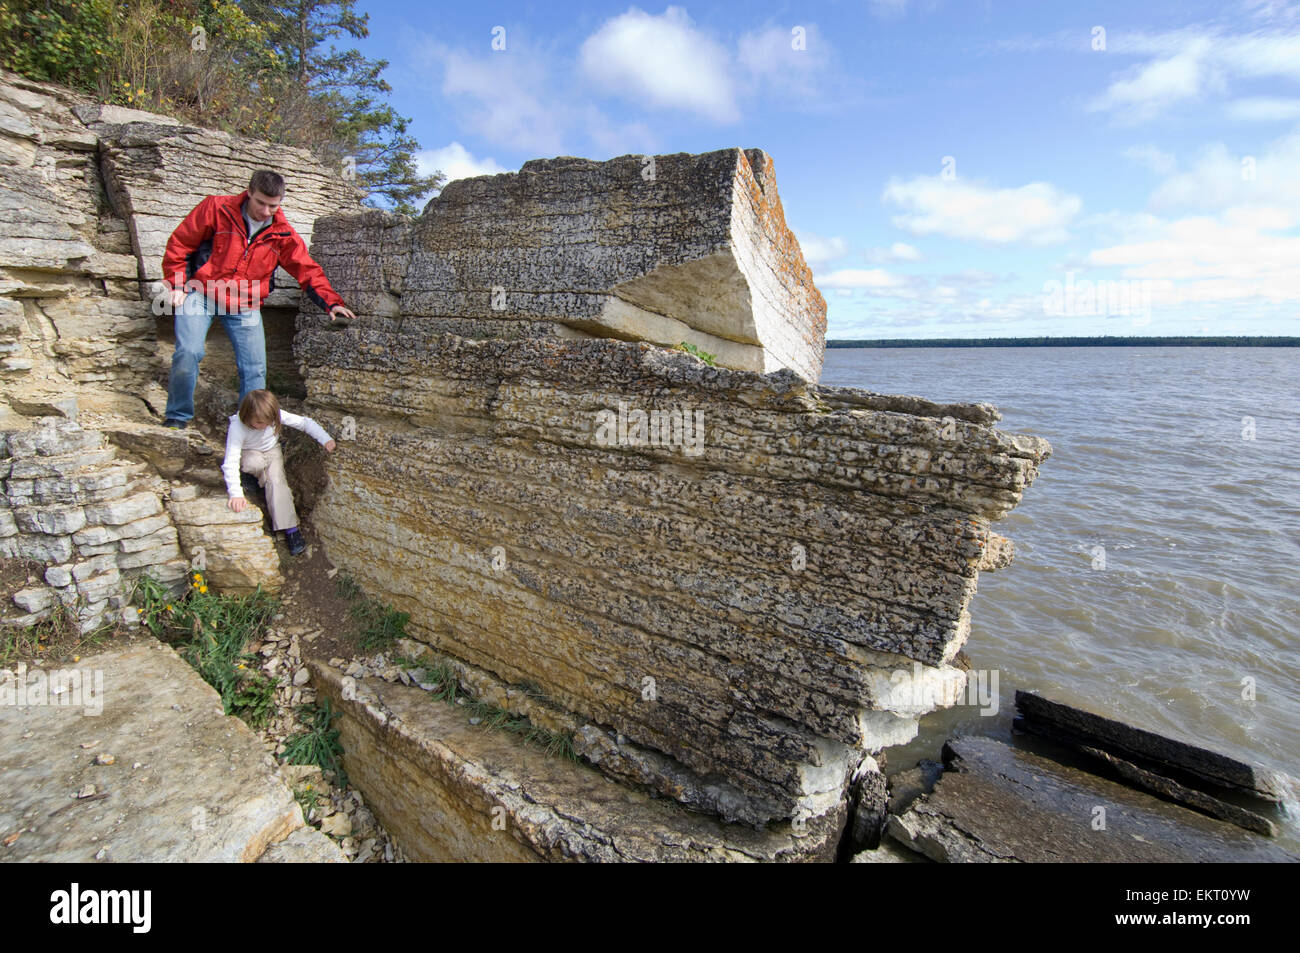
x=89 y=194
x=95 y=523
x=663 y=249
x=728 y=586
x=760 y=594
x=88 y=197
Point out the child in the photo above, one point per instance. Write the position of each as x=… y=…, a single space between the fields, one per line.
x=253 y=445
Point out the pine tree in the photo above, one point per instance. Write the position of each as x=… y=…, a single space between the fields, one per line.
x=326 y=100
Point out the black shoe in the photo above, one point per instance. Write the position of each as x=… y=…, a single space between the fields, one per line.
x=295 y=541
x=174 y=424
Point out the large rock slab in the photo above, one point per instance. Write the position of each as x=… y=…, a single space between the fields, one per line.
x=451 y=791
x=186 y=782
x=663 y=249
x=763 y=606
x=997 y=803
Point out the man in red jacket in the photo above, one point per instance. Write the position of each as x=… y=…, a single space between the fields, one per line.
x=221 y=261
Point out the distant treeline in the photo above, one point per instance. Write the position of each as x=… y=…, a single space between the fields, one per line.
x=1239 y=341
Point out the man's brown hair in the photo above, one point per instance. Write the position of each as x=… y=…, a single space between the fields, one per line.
x=267 y=182
x=260 y=405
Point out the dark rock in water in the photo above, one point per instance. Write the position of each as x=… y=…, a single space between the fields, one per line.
x=1196 y=800
x=997 y=803
x=1074 y=726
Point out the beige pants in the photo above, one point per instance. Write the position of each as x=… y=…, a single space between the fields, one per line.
x=268 y=467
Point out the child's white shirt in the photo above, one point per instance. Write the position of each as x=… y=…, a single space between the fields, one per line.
x=240 y=438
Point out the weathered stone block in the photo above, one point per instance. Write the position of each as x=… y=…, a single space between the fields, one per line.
x=125 y=510
x=698 y=251
x=55 y=520
x=673 y=591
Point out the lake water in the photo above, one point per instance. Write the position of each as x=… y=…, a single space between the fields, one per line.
x=1157 y=574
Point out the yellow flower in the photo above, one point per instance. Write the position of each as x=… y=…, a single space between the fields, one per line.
x=139 y=612
x=169 y=608
x=76 y=658
x=203 y=588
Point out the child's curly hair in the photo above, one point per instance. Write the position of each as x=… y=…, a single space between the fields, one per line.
x=260 y=405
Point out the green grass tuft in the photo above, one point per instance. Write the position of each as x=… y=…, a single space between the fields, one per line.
x=318 y=744
x=211 y=632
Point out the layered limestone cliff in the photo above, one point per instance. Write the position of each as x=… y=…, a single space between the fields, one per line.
x=728 y=587
x=94 y=492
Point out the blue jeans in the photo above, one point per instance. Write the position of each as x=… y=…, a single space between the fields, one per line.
x=193 y=318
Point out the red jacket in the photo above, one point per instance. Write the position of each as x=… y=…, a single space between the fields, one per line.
x=211 y=247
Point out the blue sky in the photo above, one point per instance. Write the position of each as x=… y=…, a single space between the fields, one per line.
x=950 y=168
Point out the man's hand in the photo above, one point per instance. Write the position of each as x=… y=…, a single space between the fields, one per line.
x=178 y=297
x=237 y=503
x=339 y=311
x=329 y=445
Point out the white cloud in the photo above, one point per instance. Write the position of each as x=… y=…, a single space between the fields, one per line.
x=1206 y=260
x=456 y=162
x=899 y=251
x=771 y=58
x=662 y=61
x=1220 y=179
x=504 y=98
x=859 y=278
x=515 y=101
x=1156 y=160
x=1190 y=66
x=1162 y=83
x=818 y=250
x=1224 y=237
x=1037 y=213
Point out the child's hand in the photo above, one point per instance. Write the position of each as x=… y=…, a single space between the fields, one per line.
x=329 y=445
x=237 y=503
